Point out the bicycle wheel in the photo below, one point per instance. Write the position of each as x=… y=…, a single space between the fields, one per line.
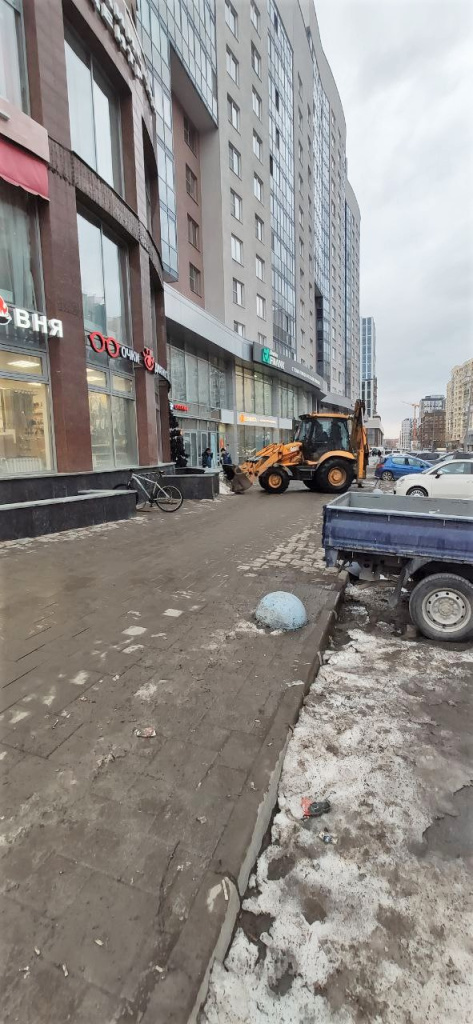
x=169 y=499
x=141 y=502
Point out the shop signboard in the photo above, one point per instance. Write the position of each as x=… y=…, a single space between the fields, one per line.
x=268 y=357
x=112 y=347
x=30 y=322
x=249 y=419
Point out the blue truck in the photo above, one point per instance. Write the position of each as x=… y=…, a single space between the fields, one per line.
x=427 y=541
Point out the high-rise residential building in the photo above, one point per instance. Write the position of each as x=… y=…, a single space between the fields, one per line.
x=405 y=438
x=431 y=403
x=431 y=424
x=260 y=227
x=459 y=406
x=83 y=380
x=369 y=381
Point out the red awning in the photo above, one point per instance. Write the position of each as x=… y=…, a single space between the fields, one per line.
x=23 y=169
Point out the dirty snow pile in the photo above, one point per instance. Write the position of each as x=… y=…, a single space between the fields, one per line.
x=373 y=926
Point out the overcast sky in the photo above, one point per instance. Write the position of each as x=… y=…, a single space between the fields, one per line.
x=404 y=73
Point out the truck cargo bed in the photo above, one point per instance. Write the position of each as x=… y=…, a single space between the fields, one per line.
x=406 y=527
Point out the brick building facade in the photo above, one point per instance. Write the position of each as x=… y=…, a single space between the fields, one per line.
x=80 y=244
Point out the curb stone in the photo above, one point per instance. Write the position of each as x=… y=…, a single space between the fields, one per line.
x=207 y=933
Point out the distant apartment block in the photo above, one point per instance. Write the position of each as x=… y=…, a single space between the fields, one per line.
x=369 y=381
x=459 y=406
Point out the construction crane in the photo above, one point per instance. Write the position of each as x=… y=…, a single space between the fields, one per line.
x=415 y=406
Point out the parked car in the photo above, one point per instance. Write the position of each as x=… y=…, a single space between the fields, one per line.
x=427 y=456
x=394 y=466
x=452 y=479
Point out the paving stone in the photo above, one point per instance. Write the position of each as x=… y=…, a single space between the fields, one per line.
x=239 y=751
x=99 y=912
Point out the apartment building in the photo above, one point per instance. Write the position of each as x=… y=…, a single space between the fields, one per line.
x=405 y=437
x=260 y=228
x=83 y=380
x=369 y=380
x=459 y=406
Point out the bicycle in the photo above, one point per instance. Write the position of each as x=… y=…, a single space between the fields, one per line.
x=167 y=498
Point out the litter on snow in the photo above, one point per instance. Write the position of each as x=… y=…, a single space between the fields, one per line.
x=146 y=734
x=314 y=808
x=328 y=838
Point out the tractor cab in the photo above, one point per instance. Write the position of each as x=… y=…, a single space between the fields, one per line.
x=320 y=433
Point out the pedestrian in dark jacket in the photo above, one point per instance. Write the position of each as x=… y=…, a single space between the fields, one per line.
x=207 y=457
x=225 y=457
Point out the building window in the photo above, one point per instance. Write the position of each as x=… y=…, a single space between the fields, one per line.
x=25 y=428
x=239 y=328
x=254 y=16
x=301 y=183
x=301 y=247
x=191 y=184
x=258 y=188
x=301 y=217
x=195 y=278
x=231 y=17
x=94 y=114
x=261 y=307
x=233 y=113
x=232 y=66
x=259 y=268
x=238 y=292
x=299 y=84
x=257 y=146
x=190 y=134
x=104 y=280
x=12 y=57
x=261 y=339
x=234 y=159
x=20 y=259
x=255 y=60
x=257 y=104
x=276 y=99
x=302 y=309
x=300 y=151
x=300 y=118
x=193 y=232
x=236 y=205
x=237 y=249
x=259 y=228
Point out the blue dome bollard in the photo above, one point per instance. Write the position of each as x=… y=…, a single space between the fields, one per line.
x=280 y=610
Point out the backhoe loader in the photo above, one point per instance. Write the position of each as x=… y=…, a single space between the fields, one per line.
x=328 y=452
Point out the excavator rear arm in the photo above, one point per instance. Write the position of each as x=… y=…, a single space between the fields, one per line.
x=359 y=441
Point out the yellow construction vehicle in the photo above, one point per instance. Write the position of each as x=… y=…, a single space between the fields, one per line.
x=328 y=452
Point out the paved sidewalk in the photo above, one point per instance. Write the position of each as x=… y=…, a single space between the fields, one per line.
x=109 y=839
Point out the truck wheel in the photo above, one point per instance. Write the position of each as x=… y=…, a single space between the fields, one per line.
x=311 y=485
x=274 y=481
x=334 y=476
x=441 y=606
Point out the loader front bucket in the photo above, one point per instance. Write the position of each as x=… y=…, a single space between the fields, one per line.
x=240 y=481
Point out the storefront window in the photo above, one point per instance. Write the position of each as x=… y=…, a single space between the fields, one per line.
x=112 y=419
x=197 y=379
x=103 y=272
x=25 y=440
x=20 y=262
x=12 y=64
x=94 y=114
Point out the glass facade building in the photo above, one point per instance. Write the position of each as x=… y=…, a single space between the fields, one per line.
x=281 y=136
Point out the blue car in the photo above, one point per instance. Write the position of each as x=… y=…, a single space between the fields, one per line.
x=394 y=466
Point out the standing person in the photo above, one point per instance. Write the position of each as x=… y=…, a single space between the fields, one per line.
x=225 y=457
x=207 y=457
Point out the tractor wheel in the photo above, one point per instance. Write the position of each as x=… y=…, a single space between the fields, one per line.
x=311 y=485
x=274 y=481
x=335 y=476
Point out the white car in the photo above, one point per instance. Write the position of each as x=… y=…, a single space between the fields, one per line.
x=452 y=479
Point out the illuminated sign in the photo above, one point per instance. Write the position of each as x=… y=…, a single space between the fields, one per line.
x=26 y=321
x=112 y=347
x=267 y=356
x=179 y=406
x=250 y=420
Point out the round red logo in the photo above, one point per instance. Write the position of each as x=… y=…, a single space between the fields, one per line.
x=4 y=314
x=101 y=344
x=148 y=360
